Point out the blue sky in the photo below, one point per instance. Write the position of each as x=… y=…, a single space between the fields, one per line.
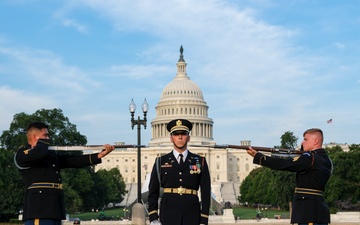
x=265 y=66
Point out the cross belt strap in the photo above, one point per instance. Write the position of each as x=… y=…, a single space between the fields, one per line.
x=308 y=191
x=46 y=185
x=180 y=191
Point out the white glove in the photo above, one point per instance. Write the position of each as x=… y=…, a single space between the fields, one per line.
x=155 y=222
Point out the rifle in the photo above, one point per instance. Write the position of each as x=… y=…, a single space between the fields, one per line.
x=261 y=149
x=88 y=147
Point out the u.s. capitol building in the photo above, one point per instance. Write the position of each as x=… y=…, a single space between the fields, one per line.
x=182 y=98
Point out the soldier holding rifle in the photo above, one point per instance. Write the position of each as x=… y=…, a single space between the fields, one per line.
x=313 y=169
x=40 y=170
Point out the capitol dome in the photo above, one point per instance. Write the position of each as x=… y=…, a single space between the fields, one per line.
x=182 y=87
x=182 y=98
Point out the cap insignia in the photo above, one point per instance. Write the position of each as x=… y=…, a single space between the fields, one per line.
x=178 y=123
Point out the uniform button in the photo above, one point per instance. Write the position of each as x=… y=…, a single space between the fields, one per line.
x=180 y=180
x=40 y=192
x=180 y=173
x=53 y=165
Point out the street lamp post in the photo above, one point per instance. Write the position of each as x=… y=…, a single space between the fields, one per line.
x=138 y=209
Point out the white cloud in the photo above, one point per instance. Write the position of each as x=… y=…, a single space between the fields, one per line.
x=138 y=71
x=78 y=26
x=48 y=70
x=14 y=101
x=339 y=45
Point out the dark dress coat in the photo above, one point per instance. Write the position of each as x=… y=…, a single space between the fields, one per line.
x=313 y=170
x=39 y=164
x=175 y=208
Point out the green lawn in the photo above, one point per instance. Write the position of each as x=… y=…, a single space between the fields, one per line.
x=115 y=213
x=250 y=213
x=240 y=212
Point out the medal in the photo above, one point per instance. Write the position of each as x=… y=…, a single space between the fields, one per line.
x=191 y=169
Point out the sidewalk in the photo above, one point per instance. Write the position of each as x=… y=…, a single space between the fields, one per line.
x=242 y=222
x=341 y=218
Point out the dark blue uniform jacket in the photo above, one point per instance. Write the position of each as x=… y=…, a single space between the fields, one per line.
x=40 y=165
x=174 y=208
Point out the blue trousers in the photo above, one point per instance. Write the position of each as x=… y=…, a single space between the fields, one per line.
x=42 y=222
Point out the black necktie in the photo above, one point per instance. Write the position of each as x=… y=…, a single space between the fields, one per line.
x=181 y=159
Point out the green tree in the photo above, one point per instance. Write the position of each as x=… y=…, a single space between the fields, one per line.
x=77 y=184
x=283 y=186
x=11 y=187
x=269 y=187
x=109 y=188
x=247 y=188
x=288 y=140
x=118 y=185
x=342 y=191
x=334 y=150
x=61 y=131
x=284 y=181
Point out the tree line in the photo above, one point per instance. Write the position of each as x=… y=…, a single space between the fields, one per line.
x=84 y=189
x=276 y=188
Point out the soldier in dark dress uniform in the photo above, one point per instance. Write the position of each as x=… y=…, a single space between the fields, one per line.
x=180 y=173
x=313 y=169
x=40 y=170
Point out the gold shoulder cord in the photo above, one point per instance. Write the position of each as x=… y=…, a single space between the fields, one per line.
x=262 y=157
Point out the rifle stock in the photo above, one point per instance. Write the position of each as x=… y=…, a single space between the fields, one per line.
x=261 y=149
